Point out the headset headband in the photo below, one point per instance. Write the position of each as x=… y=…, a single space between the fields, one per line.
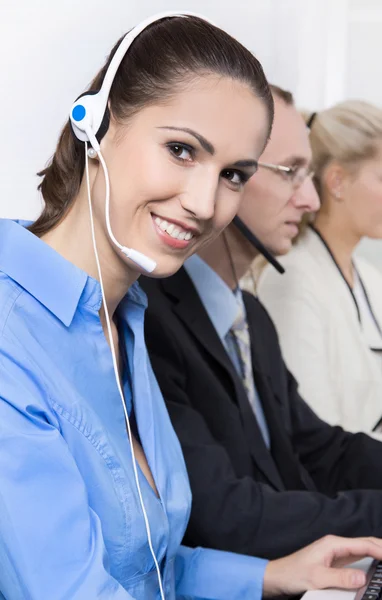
x=88 y=111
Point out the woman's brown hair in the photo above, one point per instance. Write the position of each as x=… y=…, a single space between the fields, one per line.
x=162 y=57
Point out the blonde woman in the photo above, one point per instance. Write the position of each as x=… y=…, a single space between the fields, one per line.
x=327 y=307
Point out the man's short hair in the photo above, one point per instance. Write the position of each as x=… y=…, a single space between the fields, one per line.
x=284 y=95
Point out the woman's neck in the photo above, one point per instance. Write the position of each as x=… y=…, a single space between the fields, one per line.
x=341 y=240
x=73 y=240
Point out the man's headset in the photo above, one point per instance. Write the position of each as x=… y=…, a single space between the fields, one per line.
x=247 y=233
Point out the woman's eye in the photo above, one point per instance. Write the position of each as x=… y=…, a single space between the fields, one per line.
x=235 y=177
x=181 y=151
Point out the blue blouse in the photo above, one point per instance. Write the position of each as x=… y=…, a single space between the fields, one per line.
x=71 y=526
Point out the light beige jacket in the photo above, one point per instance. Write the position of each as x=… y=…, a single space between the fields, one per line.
x=323 y=342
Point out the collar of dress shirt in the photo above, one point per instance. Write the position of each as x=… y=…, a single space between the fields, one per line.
x=54 y=281
x=220 y=302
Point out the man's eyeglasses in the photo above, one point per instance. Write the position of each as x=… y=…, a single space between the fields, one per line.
x=295 y=175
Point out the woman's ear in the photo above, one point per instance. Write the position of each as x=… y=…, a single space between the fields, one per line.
x=112 y=127
x=335 y=180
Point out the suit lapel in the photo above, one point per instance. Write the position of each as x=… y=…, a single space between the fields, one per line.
x=191 y=311
x=282 y=450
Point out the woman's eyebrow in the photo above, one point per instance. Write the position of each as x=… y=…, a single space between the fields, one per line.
x=208 y=147
x=246 y=163
x=205 y=144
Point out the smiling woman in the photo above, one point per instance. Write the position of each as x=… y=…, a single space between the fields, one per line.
x=163 y=168
x=172 y=159
x=96 y=511
x=89 y=510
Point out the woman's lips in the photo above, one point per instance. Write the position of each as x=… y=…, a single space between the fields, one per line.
x=167 y=239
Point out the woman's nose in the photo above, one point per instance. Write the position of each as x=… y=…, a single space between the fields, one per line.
x=199 y=198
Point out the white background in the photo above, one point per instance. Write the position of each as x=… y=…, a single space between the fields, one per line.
x=322 y=50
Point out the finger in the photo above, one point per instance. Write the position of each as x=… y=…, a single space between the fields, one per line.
x=359 y=547
x=372 y=540
x=347 y=579
x=330 y=539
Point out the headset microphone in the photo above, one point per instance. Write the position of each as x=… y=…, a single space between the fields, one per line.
x=143 y=261
x=247 y=233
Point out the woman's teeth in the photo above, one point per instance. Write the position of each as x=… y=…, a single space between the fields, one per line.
x=173 y=230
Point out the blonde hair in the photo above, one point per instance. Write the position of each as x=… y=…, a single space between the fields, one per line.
x=347 y=133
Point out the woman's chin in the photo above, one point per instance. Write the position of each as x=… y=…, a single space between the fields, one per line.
x=165 y=267
x=162 y=273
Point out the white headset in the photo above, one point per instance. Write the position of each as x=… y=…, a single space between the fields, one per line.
x=86 y=117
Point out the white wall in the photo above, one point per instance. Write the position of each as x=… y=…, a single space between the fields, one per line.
x=50 y=50
x=323 y=50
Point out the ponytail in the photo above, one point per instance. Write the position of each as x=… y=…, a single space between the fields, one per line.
x=61 y=181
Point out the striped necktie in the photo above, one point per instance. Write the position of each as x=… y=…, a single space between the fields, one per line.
x=239 y=340
x=240 y=336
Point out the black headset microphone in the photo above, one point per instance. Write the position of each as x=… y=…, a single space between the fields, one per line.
x=250 y=236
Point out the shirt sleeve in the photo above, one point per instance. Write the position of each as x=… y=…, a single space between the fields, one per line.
x=51 y=543
x=215 y=575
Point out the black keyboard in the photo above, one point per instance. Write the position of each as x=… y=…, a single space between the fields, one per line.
x=373 y=588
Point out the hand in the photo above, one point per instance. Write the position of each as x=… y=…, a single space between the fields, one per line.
x=319 y=566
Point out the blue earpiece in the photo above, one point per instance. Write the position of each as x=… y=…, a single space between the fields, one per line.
x=88 y=111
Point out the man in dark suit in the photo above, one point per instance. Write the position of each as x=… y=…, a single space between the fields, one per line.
x=267 y=475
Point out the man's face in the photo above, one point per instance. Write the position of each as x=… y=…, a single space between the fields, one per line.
x=273 y=204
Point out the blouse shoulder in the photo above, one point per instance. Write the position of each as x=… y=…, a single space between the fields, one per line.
x=22 y=381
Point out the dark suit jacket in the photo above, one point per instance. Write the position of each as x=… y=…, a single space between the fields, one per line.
x=246 y=498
